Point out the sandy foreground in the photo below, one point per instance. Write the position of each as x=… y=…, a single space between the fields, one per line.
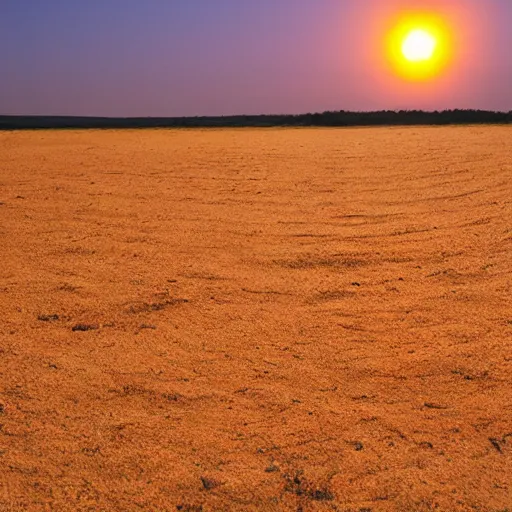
x=273 y=319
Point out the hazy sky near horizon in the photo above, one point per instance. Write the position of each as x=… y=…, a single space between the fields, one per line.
x=221 y=57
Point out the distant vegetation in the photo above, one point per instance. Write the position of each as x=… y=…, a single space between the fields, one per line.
x=339 y=118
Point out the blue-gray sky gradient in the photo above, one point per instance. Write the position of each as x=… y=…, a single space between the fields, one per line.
x=215 y=57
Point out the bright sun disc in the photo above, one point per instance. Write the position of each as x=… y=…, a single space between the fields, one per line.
x=418 y=45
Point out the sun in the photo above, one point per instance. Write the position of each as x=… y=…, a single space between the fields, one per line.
x=419 y=46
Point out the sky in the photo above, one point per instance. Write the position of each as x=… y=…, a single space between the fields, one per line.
x=223 y=57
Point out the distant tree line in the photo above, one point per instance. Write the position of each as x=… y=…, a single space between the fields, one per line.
x=336 y=118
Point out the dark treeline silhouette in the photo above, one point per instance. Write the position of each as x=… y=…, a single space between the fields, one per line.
x=338 y=118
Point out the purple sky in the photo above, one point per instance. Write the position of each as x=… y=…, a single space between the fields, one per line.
x=214 y=57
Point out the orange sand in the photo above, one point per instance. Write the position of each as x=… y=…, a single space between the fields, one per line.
x=281 y=319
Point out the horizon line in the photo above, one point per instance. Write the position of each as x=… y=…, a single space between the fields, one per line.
x=224 y=116
x=340 y=118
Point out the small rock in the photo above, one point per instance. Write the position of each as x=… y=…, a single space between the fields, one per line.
x=430 y=405
x=272 y=469
x=84 y=328
x=209 y=484
x=48 y=318
x=321 y=495
x=496 y=444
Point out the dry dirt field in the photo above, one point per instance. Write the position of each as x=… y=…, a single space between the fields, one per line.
x=246 y=320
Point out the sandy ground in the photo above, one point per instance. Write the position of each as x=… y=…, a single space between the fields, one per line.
x=302 y=320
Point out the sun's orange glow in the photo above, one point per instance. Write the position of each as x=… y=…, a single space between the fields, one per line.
x=419 y=46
